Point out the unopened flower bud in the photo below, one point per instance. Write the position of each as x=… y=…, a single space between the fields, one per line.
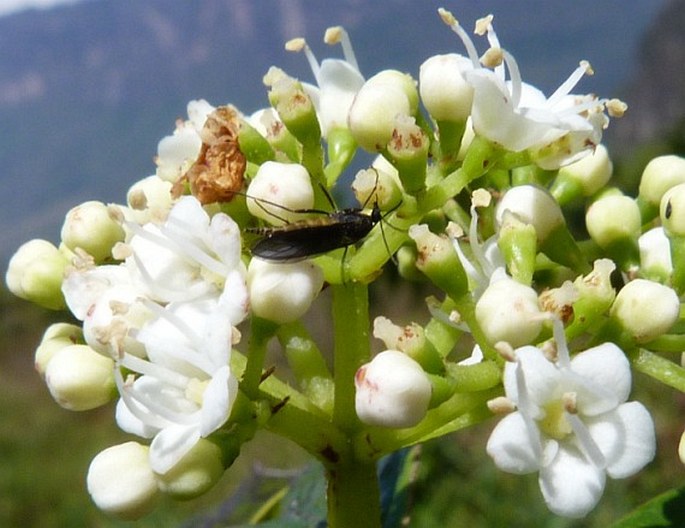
x=583 y=177
x=80 y=379
x=149 y=200
x=660 y=174
x=294 y=106
x=595 y=296
x=408 y=150
x=121 y=482
x=282 y=292
x=374 y=186
x=411 y=340
x=509 y=311
x=655 y=255
x=444 y=91
x=532 y=205
x=287 y=185
x=681 y=448
x=379 y=101
x=438 y=260
x=672 y=210
x=90 y=227
x=535 y=206
x=195 y=473
x=392 y=391
x=646 y=309
x=614 y=223
x=35 y=273
x=56 y=337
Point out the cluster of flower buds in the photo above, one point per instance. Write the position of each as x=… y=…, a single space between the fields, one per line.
x=238 y=224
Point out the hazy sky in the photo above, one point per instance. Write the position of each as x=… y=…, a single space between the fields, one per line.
x=12 y=6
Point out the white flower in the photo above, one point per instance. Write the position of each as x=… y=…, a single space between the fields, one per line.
x=176 y=153
x=185 y=390
x=517 y=116
x=109 y=303
x=487 y=256
x=189 y=256
x=338 y=81
x=573 y=424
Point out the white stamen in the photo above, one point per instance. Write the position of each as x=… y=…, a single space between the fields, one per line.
x=299 y=44
x=568 y=85
x=515 y=76
x=586 y=442
x=526 y=409
x=337 y=34
x=154 y=370
x=563 y=356
x=453 y=24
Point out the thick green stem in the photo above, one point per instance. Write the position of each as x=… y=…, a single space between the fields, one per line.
x=352 y=350
x=261 y=332
x=353 y=495
x=658 y=368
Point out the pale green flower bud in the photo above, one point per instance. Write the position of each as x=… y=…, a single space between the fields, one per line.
x=282 y=292
x=278 y=190
x=392 y=391
x=509 y=311
x=90 y=227
x=438 y=260
x=378 y=186
x=655 y=255
x=294 y=106
x=672 y=210
x=35 y=273
x=583 y=177
x=56 y=337
x=195 y=473
x=121 y=482
x=612 y=218
x=646 y=309
x=402 y=80
x=80 y=379
x=444 y=91
x=660 y=174
x=372 y=115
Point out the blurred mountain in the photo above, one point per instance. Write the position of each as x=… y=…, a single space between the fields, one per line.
x=656 y=90
x=88 y=89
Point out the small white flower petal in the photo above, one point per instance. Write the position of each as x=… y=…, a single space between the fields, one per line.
x=626 y=438
x=571 y=485
x=607 y=366
x=170 y=445
x=511 y=446
x=218 y=399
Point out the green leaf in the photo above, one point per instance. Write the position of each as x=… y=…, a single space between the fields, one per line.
x=397 y=472
x=665 y=510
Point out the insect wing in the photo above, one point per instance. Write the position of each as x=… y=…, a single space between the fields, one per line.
x=304 y=239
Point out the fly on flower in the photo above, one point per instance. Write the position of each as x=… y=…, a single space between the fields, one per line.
x=313 y=236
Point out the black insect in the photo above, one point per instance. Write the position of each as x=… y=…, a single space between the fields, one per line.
x=306 y=238
x=313 y=236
